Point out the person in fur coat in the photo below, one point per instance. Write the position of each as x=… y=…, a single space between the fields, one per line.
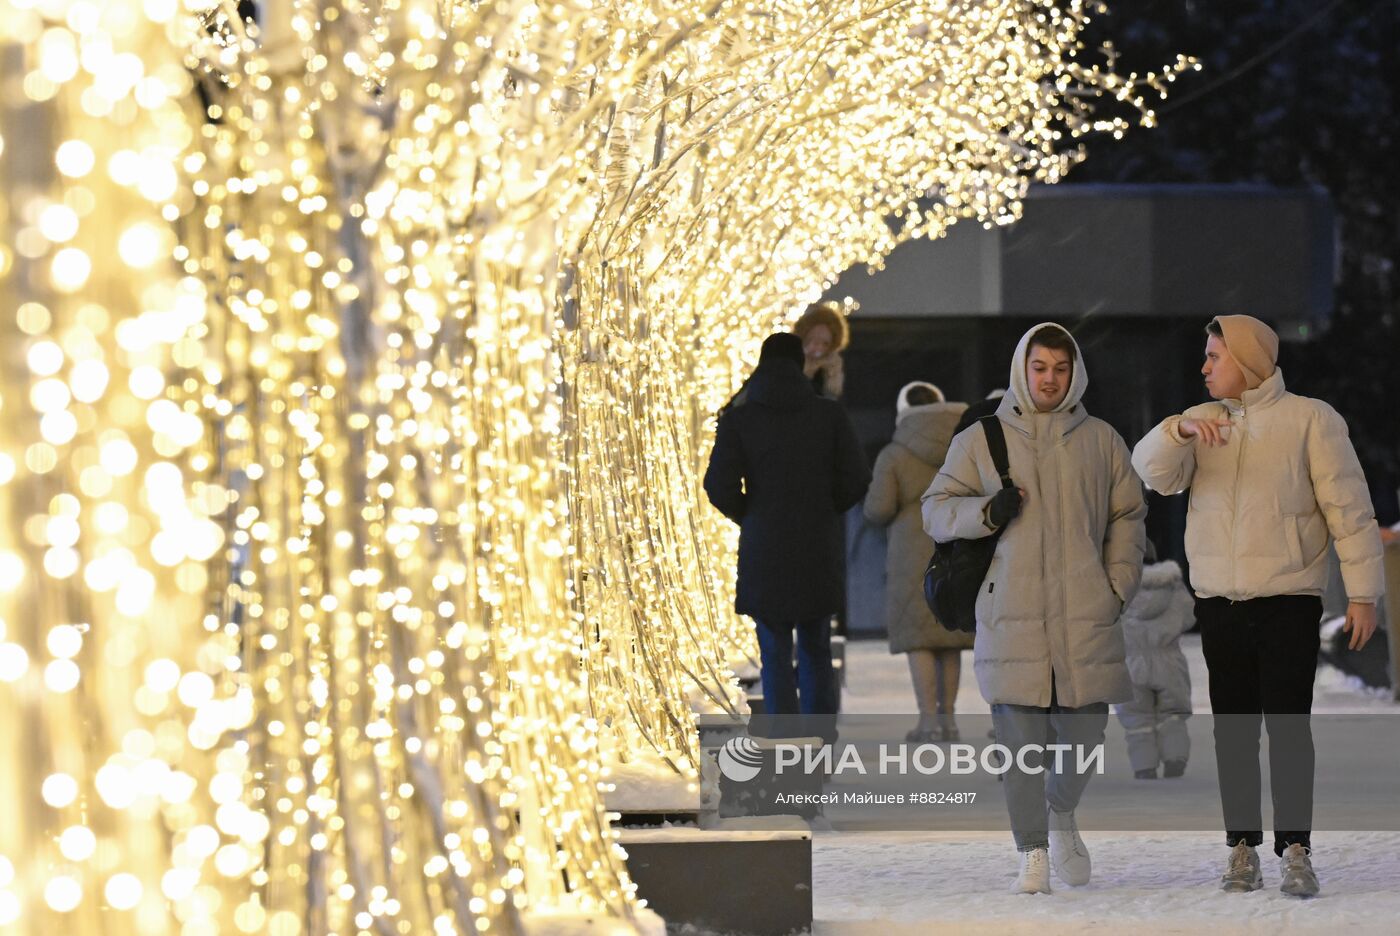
x=824 y=335
x=1155 y=719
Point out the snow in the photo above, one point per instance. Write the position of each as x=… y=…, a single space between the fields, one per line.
x=895 y=884
x=915 y=883
x=878 y=684
x=740 y=829
x=726 y=698
x=746 y=670
x=702 y=703
x=719 y=699
x=565 y=923
x=648 y=784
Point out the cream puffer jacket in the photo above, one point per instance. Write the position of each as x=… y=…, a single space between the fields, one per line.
x=902 y=473
x=1047 y=613
x=1264 y=504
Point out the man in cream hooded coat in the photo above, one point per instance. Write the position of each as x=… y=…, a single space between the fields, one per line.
x=1049 y=652
x=1272 y=476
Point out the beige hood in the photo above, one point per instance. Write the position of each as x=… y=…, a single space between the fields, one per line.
x=1021 y=391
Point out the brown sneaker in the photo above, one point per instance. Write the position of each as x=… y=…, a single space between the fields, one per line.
x=1298 y=877
x=1242 y=874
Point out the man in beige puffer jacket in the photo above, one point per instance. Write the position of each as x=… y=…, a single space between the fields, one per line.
x=1272 y=477
x=1049 y=654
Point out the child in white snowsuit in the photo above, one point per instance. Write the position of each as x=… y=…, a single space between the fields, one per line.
x=1155 y=720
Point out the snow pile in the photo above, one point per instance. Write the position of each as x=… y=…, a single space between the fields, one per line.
x=1336 y=684
x=707 y=700
x=739 y=829
x=648 y=783
x=1331 y=627
x=745 y=670
x=563 y=923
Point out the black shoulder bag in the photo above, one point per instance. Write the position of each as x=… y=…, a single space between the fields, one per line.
x=955 y=573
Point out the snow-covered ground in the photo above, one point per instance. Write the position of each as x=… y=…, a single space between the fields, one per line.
x=908 y=883
x=911 y=884
x=878 y=684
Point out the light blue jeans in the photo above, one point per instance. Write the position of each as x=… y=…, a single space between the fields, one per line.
x=1029 y=792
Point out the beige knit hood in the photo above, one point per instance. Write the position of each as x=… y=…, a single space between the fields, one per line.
x=1252 y=344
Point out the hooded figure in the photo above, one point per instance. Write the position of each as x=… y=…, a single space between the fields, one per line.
x=1066 y=565
x=1155 y=719
x=1264 y=506
x=1253 y=345
x=1273 y=481
x=1049 y=652
x=902 y=473
x=922 y=389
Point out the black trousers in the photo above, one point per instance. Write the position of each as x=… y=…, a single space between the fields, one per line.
x=1262 y=658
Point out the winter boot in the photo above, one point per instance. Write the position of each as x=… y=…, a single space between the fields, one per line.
x=1035 y=873
x=1068 y=855
x=1173 y=768
x=1242 y=874
x=1147 y=773
x=1298 y=877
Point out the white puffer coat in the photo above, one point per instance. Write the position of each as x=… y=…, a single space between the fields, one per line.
x=1064 y=567
x=1264 y=504
x=1153 y=623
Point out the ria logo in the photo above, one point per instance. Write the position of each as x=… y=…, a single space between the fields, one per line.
x=740 y=759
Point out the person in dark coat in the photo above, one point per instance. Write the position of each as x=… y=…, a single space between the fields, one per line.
x=786 y=465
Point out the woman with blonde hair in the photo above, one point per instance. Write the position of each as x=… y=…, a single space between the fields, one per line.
x=824 y=335
x=924 y=424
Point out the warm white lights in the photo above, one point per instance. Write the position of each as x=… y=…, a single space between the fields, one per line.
x=362 y=367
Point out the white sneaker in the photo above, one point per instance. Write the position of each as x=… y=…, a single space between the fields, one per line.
x=1035 y=873
x=1068 y=855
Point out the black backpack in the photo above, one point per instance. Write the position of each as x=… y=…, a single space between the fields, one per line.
x=955 y=573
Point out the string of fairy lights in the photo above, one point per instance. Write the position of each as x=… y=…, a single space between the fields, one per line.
x=740 y=175
x=359 y=370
